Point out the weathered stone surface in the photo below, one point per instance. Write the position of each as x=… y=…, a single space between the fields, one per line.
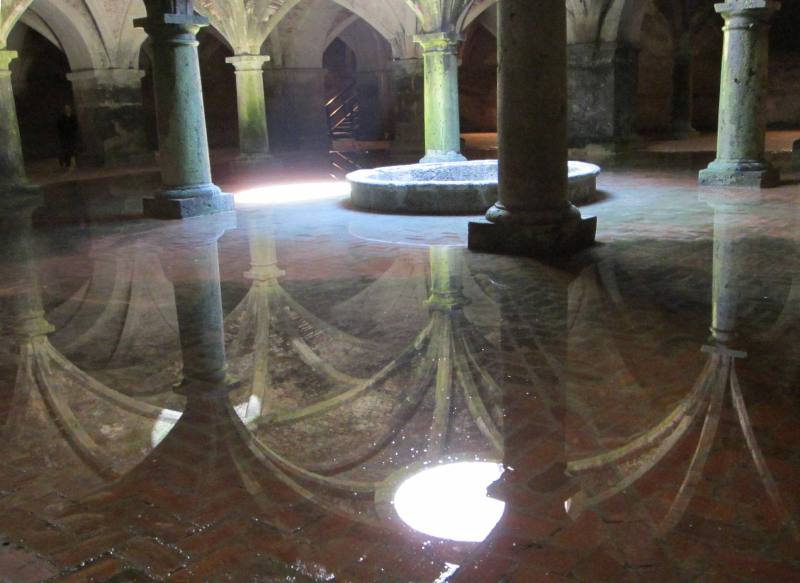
x=409 y=114
x=163 y=207
x=183 y=141
x=111 y=116
x=296 y=109
x=442 y=119
x=733 y=173
x=602 y=81
x=532 y=240
x=448 y=188
x=533 y=215
x=12 y=168
x=251 y=103
x=742 y=114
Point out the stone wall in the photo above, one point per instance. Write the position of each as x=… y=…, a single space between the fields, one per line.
x=654 y=111
x=783 y=102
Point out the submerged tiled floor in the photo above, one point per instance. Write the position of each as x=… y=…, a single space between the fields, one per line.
x=362 y=349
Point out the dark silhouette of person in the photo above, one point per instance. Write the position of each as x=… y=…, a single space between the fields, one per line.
x=67 y=126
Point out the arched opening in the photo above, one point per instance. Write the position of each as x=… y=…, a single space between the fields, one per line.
x=340 y=64
x=41 y=90
x=341 y=92
x=219 y=90
x=478 y=80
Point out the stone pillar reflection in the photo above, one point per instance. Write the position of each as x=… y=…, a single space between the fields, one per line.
x=442 y=117
x=111 y=115
x=252 y=106
x=742 y=115
x=682 y=86
x=532 y=215
x=193 y=267
x=183 y=141
x=12 y=165
x=733 y=221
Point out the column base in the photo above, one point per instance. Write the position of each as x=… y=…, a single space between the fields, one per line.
x=532 y=240
x=187 y=203
x=438 y=157
x=749 y=174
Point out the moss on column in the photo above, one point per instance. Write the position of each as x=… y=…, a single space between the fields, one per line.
x=251 y=101
x=442 y=115
x=12 y=166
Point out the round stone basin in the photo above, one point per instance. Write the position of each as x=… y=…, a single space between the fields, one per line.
x=448 y=188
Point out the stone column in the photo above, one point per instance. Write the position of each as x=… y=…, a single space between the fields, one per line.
x=252 y=106
x=111 y=116
x=682 y=88
x=532 y=215
x=742 y=116
x=183 y=142
x=409 y=107
x=442 y=123
x=12 y=166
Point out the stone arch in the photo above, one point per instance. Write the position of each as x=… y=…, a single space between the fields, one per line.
x=477 y=10
x=75 y=32
x=41 y=89
x=478 y=78
x=219 y=88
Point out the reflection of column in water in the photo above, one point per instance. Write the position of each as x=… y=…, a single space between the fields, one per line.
x=55 y=402
x=625 y=465
x=193 y=265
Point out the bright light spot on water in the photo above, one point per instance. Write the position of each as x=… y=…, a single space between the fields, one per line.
x=449 y=571
x=250 y=410
x=163 y=425
x=450 y=501
x=292 y=193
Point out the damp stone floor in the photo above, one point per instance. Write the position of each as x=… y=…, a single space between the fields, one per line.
x=302 y=392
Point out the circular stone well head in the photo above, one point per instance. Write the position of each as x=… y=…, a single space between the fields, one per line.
x=448 y=188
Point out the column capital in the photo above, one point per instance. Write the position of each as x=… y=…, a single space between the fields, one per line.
x=6 y=57
x=439 y=42
x=159 y=25
x=248 y=62
x=758 y=9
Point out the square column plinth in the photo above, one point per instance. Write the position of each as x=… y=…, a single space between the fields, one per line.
x=540 y=241
x=735 y=173
x=204 y=200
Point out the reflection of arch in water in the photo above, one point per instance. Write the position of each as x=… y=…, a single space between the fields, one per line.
x=123 y=320
x=437 y=378
x=106 y=430
x=607 y=474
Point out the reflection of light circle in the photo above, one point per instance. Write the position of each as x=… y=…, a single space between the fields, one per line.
x=450 y=501
x=292 y=193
